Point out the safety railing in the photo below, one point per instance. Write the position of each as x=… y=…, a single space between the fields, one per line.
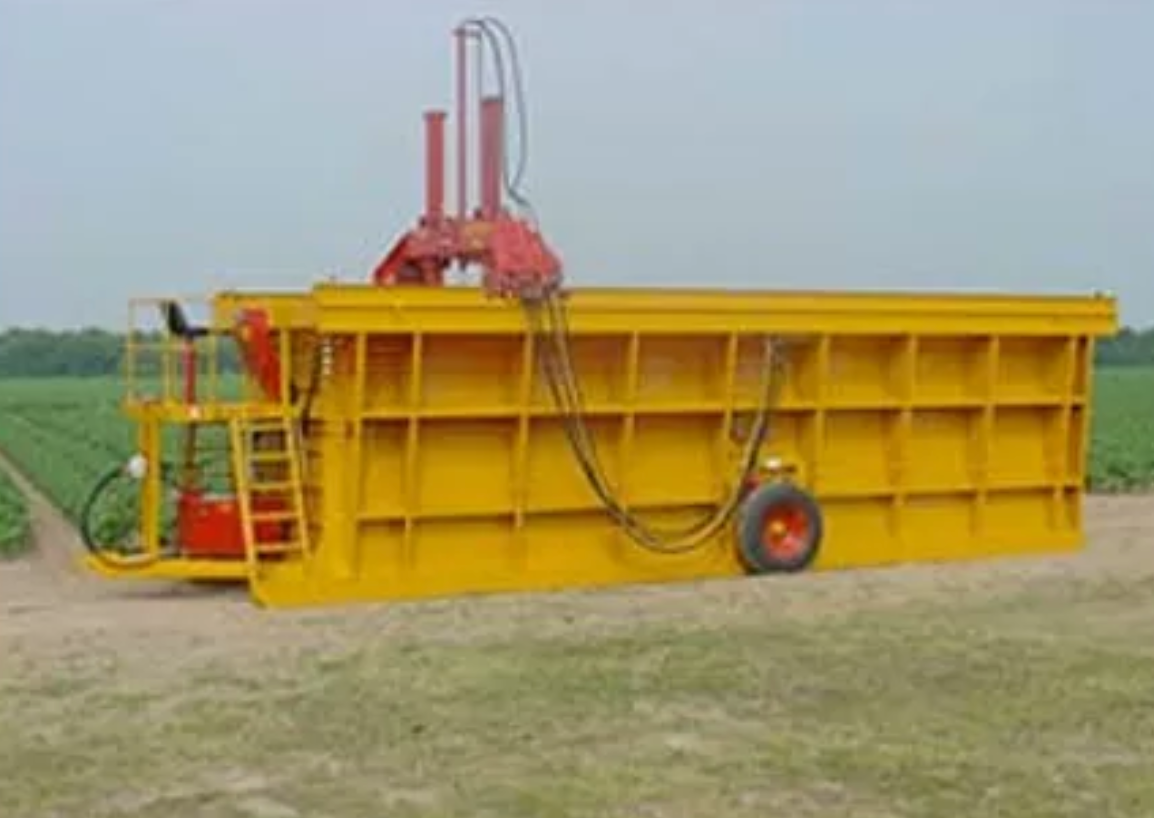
x=186 y=355
x=177 y=356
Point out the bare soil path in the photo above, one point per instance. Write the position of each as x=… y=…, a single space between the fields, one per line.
x=50 y=590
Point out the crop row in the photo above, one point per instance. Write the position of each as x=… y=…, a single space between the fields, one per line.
x=14 y=522
x=63 y=450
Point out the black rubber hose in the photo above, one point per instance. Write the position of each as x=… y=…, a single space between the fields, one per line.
x=106 y=480
x=94 y=494
x=566 y=392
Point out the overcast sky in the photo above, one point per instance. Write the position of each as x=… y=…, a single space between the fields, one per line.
x=157 y=146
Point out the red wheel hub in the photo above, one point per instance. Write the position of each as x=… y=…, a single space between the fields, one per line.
x=786 y=532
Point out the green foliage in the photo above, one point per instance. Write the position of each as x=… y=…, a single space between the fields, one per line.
x=67 y=433
x=1129 y=347
x=63 y=433
x=15 y=532
x=1122 y=437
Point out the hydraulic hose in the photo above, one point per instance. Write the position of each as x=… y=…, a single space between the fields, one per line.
x=88 y=537
x=547 y=318
x=555 y=358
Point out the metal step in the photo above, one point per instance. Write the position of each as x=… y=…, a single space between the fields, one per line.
x=272 y=548
x=270 y=488
x=269 y=456
x=288 y=516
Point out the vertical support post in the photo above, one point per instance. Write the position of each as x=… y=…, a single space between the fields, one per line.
x=434 y=166
x=343 y=543
x=1062 y=469
x=728 y=389
x=1083 y=399
x=213 y=353
x=821 y=413
x=168 y=365
x=907 y=370
x=492 y=113
x=980 y=475
x=520 y=497
x=285 y=350
x=149 y=442
x=189 y=362
x=462 y=130
x=628 y=433
x=409 y=489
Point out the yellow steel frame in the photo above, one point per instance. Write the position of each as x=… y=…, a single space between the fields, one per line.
x=929 y=426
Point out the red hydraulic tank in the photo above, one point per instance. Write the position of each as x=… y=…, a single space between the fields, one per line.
x=209 y=525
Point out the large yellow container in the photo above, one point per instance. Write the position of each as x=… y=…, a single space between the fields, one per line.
x=928 y=427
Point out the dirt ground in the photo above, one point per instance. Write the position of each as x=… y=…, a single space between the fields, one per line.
x=235 y=711
x=48 y=597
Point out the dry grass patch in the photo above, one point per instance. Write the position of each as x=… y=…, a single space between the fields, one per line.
x=1037 y=703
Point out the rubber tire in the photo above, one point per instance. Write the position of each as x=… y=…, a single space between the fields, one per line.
x=752 y=523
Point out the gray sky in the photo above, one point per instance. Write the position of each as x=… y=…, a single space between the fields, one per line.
x=162 y=146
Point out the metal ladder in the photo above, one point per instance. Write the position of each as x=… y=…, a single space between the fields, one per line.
x=268 y=472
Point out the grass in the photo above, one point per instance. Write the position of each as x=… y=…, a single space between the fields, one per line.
x=1029 y=704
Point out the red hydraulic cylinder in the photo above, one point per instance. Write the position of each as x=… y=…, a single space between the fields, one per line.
x=492 y=112
x=435 y=166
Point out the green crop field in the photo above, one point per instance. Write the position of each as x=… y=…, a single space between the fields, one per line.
x=64 y=433
x=1122 y=444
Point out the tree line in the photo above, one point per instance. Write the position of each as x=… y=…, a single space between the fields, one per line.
x=40 y=353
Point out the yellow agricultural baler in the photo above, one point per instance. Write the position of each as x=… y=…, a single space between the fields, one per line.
x=404 y=438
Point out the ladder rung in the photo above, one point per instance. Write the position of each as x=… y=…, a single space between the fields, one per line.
x=273 y=516
x=264 y=548
x=268 y=457
x=269 y=488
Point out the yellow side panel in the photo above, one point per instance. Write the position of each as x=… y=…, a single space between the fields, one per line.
x=943 y=450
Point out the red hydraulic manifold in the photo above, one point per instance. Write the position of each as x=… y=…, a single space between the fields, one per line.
x=514 y=257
